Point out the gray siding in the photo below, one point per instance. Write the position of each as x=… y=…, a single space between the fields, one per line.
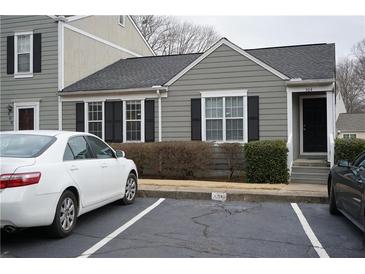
x=226 y=69
x=42 y=85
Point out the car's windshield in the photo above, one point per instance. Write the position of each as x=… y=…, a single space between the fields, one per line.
x=24 y=145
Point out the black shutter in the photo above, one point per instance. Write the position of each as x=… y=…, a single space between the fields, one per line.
x=80 y=117
x=109 y=119
x=37 y=52
x=149 y=121
x=253 y=118
x=10 y=54
x=196 y=119
x=114 y=121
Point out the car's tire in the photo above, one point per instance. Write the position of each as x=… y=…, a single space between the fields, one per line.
x=332 y=201
x=65 y=217
x=131 y=188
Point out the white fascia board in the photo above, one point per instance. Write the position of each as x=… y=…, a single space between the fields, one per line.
x=122 y=97
x=76 y=17
x=101 y=40
x=140 y=34
x=111 y=92
x=300 y=82
x=224 y=41
x=310 y=88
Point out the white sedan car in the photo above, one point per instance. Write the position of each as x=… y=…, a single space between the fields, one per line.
x=49 y=178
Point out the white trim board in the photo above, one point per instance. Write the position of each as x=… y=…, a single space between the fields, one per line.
x=122 y=97
x=22 y=105
x=92 y=36
x=226 y=42
x=140 y=34
x=301 y=123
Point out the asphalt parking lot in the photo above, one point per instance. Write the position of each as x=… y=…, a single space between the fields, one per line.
x=193 y=228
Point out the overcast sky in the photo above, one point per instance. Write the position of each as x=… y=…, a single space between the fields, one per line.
x=268 y=31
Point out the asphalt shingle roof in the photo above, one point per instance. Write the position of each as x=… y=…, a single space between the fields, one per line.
x=351 y=122
x=315 y=61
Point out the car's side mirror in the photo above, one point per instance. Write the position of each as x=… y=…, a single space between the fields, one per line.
x=344 y=163
x=119 y=154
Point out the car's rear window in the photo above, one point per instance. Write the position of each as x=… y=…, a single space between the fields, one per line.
x=24 y=145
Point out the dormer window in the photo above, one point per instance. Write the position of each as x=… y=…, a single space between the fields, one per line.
x=122 y=20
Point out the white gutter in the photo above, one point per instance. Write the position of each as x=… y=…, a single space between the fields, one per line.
x=99 y=92
x=298 y=82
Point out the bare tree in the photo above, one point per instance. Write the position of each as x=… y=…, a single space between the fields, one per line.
x=167 y=35
x=351 y=79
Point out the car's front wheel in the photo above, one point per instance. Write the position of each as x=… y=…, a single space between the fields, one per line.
x=130 y=189
x=332 y=201
x=66 y=215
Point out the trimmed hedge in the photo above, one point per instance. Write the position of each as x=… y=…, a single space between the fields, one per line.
x=174 y=160
x=348 y=149
x=266 y=161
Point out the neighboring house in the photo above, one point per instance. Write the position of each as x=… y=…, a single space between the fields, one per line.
x=351 y=125
x=226 y=94
x=40 y=55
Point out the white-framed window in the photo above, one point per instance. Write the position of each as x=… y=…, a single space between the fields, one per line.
x=95 y=118
x=133 y=121
x=23 y=54
x=121 y=20
x=224 y=116
x=26 y=115
x=349 y=135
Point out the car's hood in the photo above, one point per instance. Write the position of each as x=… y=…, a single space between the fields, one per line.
x=9 y=165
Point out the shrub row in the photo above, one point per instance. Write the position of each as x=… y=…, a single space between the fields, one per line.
x=266 y=161
x=178 y=160
x=348 y=149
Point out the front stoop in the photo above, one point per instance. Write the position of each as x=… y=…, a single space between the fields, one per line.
x=314 y=171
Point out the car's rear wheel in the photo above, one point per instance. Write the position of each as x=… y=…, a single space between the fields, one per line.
x=66 y=215
x=332 y=201
x=130 y=190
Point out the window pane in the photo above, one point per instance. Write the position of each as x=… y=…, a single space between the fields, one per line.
x=68 y=156
x=133 y=131
x=23 y=43
x=133 y=110
x=24 y=62
x=80 y=148
x=101 y=150
x=234 y=107
x=214 y=130
x=214 y=107
x=96 y=128
x=234 y=130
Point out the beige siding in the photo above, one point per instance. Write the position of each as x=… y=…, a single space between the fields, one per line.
x=360 y=135
x=107 y=27
x=226 y=69
x=84 y=56
x=42 y=86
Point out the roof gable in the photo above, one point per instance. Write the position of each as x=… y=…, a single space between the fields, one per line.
x=226 y=42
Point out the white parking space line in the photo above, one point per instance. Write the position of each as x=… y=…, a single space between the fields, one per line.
x=310 y=234
x=119 y=230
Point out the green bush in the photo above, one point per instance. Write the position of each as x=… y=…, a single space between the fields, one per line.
x=348 y=149
x=173 y=160
x=266 y=161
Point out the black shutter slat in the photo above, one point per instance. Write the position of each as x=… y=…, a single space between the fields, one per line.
x=118 y=122
x=10 y=55
x=196 y=119
x=109 y=118
x=80 y=117
x=149 y=121
x=37 y=52
x=253 y=118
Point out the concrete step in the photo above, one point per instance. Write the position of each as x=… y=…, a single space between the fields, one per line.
x=307 y=181
x=311 y=169
x=310 y=177
x=311 y=162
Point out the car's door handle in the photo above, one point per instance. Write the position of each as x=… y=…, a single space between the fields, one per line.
x=73 y=168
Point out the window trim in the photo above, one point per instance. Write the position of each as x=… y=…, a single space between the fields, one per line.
x=224 y=94
x=119 y=23
x=23 y=74
x=125 y=121
x=24 y=105
x=86 y=116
